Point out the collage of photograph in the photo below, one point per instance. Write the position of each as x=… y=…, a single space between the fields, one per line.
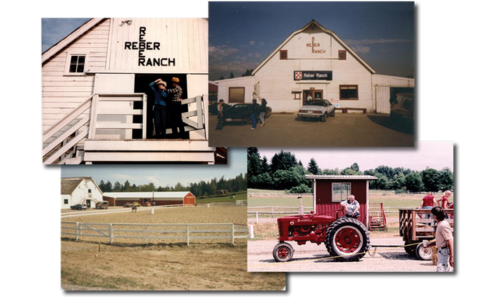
x=135 y=108
x=249 y=149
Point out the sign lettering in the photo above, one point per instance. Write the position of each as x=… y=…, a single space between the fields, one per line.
x=312 y=75
x=312 y=45
x=143 y=45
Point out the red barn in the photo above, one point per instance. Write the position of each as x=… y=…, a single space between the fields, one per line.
x=160 y=198
x=330 y=190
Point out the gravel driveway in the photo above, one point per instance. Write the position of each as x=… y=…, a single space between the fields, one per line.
x=315 y=258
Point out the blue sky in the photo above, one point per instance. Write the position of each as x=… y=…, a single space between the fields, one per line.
x=243 y=34
x=55 y=29
x=162 y=175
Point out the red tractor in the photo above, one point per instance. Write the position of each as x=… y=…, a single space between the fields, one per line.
x=346 y=239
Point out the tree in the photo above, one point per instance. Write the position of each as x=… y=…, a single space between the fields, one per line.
x=126 y=186
x=300 y=189
x=221 y=77
x=348 y=171
x=231 y=75
x=117 y=187
x=355 y=167
x=445 y=179
x=283 y=161
x=265 y=165
x=430 y=179
x=313 y=167
x=414 y=182
x=254 y=167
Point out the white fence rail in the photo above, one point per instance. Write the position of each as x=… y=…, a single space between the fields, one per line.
x=183 y=233
x=278 y=195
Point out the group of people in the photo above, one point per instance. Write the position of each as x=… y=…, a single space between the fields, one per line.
x=429 y=201
x=163 y=108
x=256 y=109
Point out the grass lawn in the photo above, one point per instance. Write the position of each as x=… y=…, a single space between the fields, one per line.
x=237 y=196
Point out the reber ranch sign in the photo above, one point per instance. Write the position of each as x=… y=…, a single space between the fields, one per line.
x=143 y=45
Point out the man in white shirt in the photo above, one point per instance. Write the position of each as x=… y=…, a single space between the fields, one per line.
x=351 y=206
x=444 y=241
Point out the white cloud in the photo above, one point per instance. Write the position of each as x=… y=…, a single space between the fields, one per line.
x=217 y=53
x=376 y=41
x=361 y=49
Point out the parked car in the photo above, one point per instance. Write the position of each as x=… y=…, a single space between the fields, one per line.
x=102 y=205
x=128 y=204
x=318 y=109
x=212 y=108
x=242 y=113
x=78 y=206
x=402 y=110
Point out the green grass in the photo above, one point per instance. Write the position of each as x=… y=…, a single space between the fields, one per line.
x=237 y=196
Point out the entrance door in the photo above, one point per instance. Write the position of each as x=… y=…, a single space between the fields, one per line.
x=314 y=94
x=88 y=203
x=142 y=82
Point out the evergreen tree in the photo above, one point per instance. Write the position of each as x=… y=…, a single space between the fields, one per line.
x=313 y=167
x=221 y=77
x=231 y=75
x=283 y=161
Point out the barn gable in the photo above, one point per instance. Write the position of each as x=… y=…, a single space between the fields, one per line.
x=308 y=36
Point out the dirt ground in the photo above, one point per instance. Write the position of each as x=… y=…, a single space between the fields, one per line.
x=343 y=130
x=90 y=266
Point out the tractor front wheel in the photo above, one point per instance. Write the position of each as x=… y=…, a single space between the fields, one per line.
x=347 y=239
x=283 y=252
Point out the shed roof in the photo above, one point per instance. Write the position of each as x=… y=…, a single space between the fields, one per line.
x=157 y=195
x=336 y=37
x=69 y=184
x=351 y=177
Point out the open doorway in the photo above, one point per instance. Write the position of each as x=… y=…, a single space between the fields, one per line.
x=312 y=94
x=141 y=85
x=89 y=202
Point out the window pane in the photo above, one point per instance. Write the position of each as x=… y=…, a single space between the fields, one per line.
x=341 y=191
x=72 y=68
x=74 y=59
x=81 y=59
x=80 y=69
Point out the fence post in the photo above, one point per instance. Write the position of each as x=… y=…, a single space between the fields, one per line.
x=257 y=217
x=110 y=234
x=77 y=230
x=143 y=233
x=232 y=232
x=188 y=234
x=272 y=211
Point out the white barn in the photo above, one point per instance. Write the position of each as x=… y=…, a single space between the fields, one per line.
x=79 y=190
x=95 y=86
x=315 y=61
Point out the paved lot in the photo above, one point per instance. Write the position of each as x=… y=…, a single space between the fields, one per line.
x=285 y=130
x=315 y=258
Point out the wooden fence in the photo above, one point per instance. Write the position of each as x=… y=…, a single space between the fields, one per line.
x=182 y=233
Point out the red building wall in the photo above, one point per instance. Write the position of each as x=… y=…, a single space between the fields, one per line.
x=324 y=204
x=189 y=199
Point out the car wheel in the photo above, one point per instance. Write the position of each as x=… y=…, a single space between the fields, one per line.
x=323 y=118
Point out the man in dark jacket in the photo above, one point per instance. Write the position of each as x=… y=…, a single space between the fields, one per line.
x=255 y=110
x=176 y=109
x=160 y=108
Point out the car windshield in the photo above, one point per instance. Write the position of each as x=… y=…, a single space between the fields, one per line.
x=315 y=102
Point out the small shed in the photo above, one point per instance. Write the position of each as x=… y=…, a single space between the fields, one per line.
x=159 y=198
x=330 y=190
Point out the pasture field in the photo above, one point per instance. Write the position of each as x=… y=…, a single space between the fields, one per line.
x=238 y=196
x=92 y=264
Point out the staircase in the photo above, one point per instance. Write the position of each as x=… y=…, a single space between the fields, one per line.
x=377 y=218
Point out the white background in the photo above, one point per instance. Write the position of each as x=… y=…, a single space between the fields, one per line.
x=457 y=83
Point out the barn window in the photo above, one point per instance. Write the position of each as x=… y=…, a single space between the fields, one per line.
x=340 y=191
x=283 y=54
x=66 y=201
x=342 y=55
x=236 y=95
x=90 y=191
x=348 y=92
x=77 y=64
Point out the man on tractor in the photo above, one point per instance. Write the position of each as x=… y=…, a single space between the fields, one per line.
x=351 y=206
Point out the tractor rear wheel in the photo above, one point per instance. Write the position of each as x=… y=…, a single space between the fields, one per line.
x=347 y=239
x=283 y=252
x=423 y=253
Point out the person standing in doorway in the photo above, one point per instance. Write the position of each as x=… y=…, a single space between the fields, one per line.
x=160 y=107
x=254 y=109
x=176 y=109
x=220 y=115
x=263 y=107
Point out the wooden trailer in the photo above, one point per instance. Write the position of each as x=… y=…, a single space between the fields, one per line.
x=414 y=227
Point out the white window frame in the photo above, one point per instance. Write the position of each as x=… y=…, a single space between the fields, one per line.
x=68 y=64
x=350 y=191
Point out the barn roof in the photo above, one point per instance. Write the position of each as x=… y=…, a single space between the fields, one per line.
x=336 y=37
x=69 y=184
x=352 y=177
x=70 y=38
x=157 y=195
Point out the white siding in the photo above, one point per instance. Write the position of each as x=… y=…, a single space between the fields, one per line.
x=62 y=93
x=382 y=90
x=65 y=197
